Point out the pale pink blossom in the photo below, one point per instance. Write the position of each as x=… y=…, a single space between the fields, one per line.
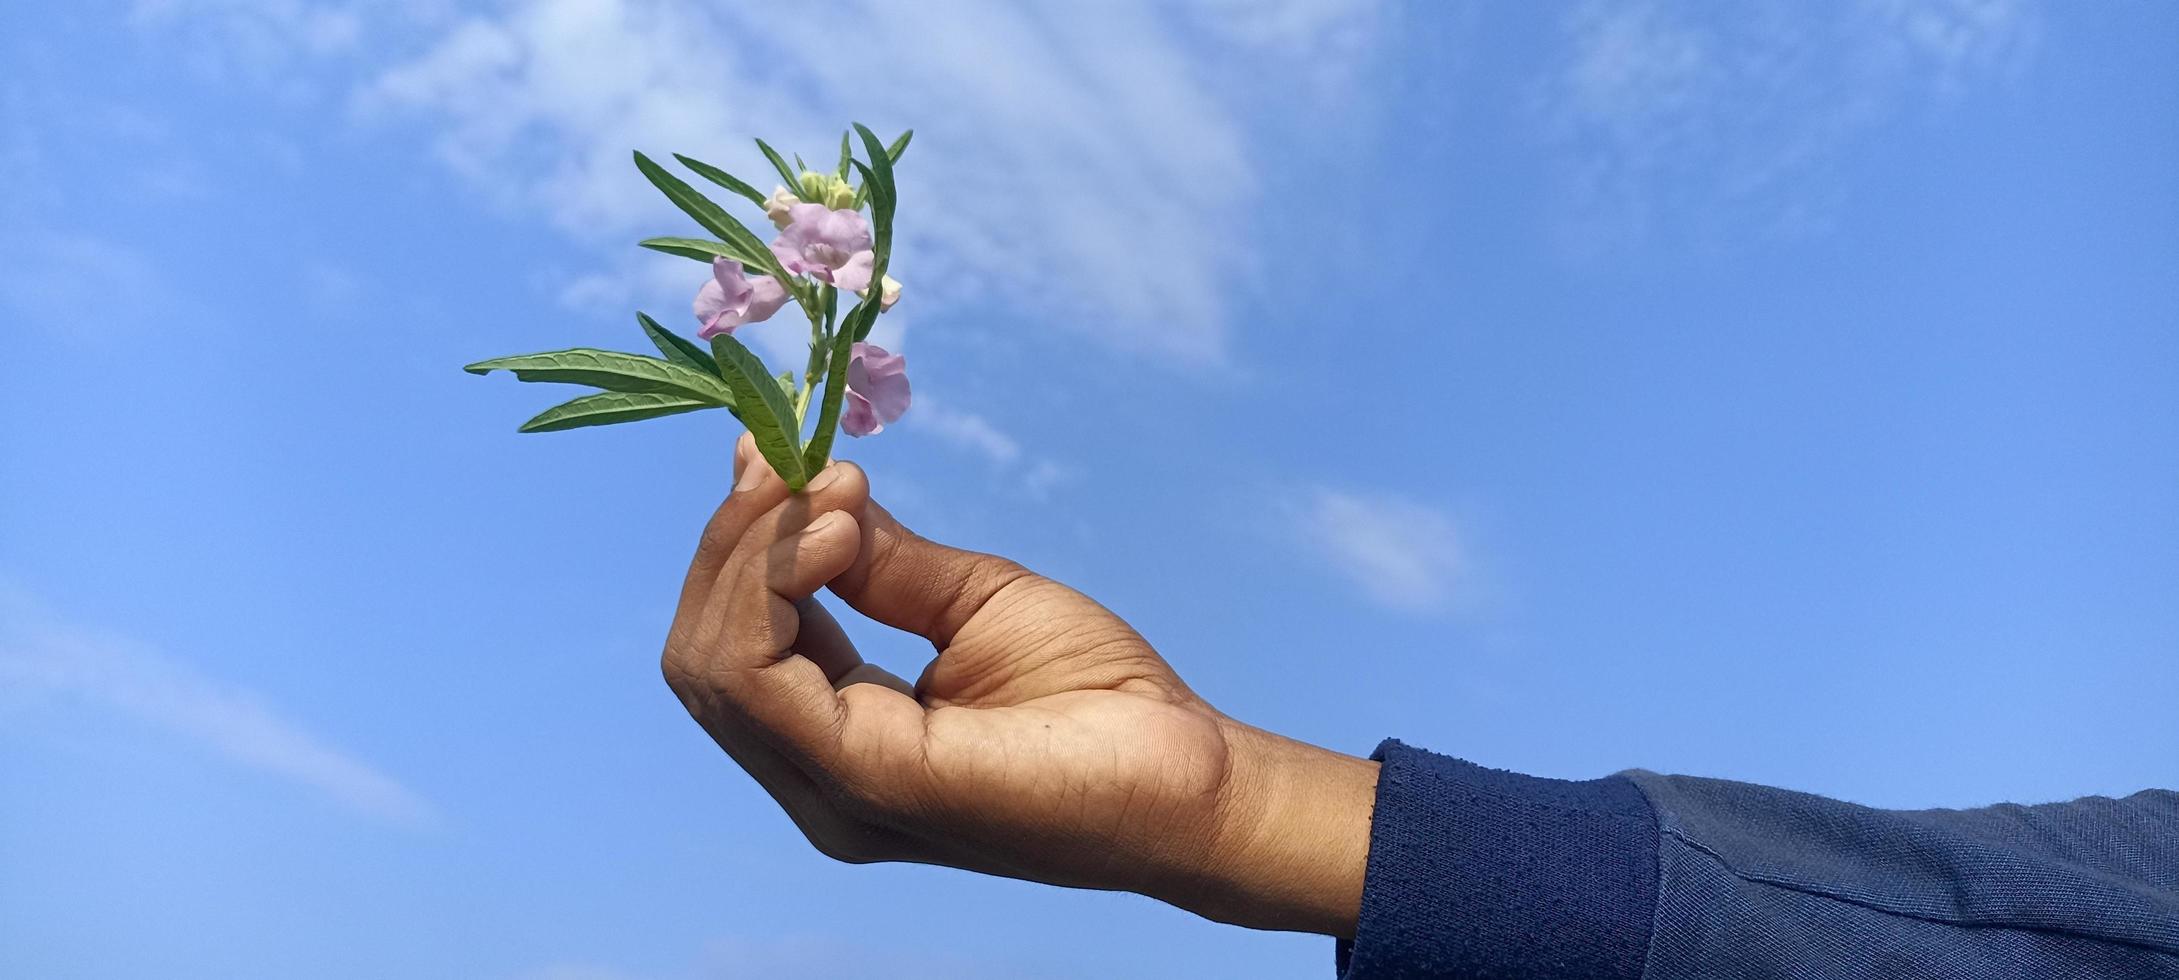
x=731 y=299
x=818 y=241
x=877 y=389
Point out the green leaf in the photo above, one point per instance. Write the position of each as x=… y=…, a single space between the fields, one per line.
x=793 y=179
x=881 y=221
x=678 y=349
x=721 y=178
x=714 y=218
x=612 y=371
x=700 y=249
x=828 y=413
x=892 y=153
x=608 y=407
x=845 y=154
x=786 y=385
x=763 y=409
x=878 y=179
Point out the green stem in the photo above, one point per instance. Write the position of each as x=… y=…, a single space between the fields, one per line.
x=820 y=345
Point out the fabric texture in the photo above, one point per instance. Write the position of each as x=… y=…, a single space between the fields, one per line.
x=1488 y=874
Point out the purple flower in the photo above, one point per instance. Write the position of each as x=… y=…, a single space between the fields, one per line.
x=855 y=278
x=731 y=299
x=877 y=389
x=818 y=241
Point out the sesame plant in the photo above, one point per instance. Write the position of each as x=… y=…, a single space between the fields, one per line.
x=826 y=246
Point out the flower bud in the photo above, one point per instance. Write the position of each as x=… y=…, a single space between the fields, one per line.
x=826 y=189
x=778 y=205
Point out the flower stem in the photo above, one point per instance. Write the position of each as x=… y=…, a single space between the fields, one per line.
x=820 y=344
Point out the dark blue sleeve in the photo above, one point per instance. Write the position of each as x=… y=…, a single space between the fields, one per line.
x=1481 y=873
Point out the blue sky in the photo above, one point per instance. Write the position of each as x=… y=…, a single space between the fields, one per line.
x=1792 y=398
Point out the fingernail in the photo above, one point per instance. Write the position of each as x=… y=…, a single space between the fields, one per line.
x=823 y=479
x=752 y=473
x=824 y=521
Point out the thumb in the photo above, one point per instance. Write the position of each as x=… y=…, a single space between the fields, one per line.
x=912 y=583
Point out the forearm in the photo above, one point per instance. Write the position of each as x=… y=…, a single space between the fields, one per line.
x=1290 y=847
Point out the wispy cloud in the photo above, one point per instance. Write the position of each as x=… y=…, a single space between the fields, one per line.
x=1682 y=118
x=967 y=430
x=1099 y=139
x=1401 y=553
x=977 y=434
x=43 y=657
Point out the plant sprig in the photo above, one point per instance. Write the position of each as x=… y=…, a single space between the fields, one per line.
x=808 y=264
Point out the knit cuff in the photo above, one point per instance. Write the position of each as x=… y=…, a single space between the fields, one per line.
x=1482 y=872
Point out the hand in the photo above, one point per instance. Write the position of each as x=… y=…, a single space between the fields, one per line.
x=1046 y=741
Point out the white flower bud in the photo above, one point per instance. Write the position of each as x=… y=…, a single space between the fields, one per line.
x=775 y=207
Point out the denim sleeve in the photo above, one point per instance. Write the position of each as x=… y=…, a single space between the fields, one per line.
x=1479 y=873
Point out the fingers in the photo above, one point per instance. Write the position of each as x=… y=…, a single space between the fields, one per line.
x=911 y=583
x=823 y=641
x=756 y=490
x=760 y=661
x=769 y=672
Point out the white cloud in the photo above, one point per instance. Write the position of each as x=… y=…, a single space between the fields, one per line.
x=965 y=429
x=41 y=657
x=977 y=434
x=1402 y=553
x=1088 y=161
x=1679 y=117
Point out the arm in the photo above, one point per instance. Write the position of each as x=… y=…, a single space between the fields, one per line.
x=1480 y=872
x=1047 y=741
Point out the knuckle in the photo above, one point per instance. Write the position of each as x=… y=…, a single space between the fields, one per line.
x=721 y=533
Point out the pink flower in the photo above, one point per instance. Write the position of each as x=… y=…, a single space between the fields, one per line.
x=731 y=299
x=877 y=389
x=855 y=278
x=818 y=241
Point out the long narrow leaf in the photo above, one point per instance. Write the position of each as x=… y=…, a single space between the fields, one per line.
x=714 y=218
x=721 y=178
x=881 y=210
x=857 y=323
x=893 y=154
x=612 y=371
x=882 y=194
x=609 y=407
x=763 y=409
x=845 y=154
x=678 y=349
x=700 y=249
x=794 y=181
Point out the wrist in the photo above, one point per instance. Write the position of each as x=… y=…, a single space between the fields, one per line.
x=1290 y=846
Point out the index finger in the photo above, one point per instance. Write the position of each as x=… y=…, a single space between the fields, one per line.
x=756 y=490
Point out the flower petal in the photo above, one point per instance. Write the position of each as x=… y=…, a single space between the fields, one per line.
x=855 y=275
x=766 y=296
x=881 y=378
x=859 y=419
x=710 y=302
x=790 y=257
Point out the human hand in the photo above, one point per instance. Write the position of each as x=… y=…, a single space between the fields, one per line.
x=1046 y=741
